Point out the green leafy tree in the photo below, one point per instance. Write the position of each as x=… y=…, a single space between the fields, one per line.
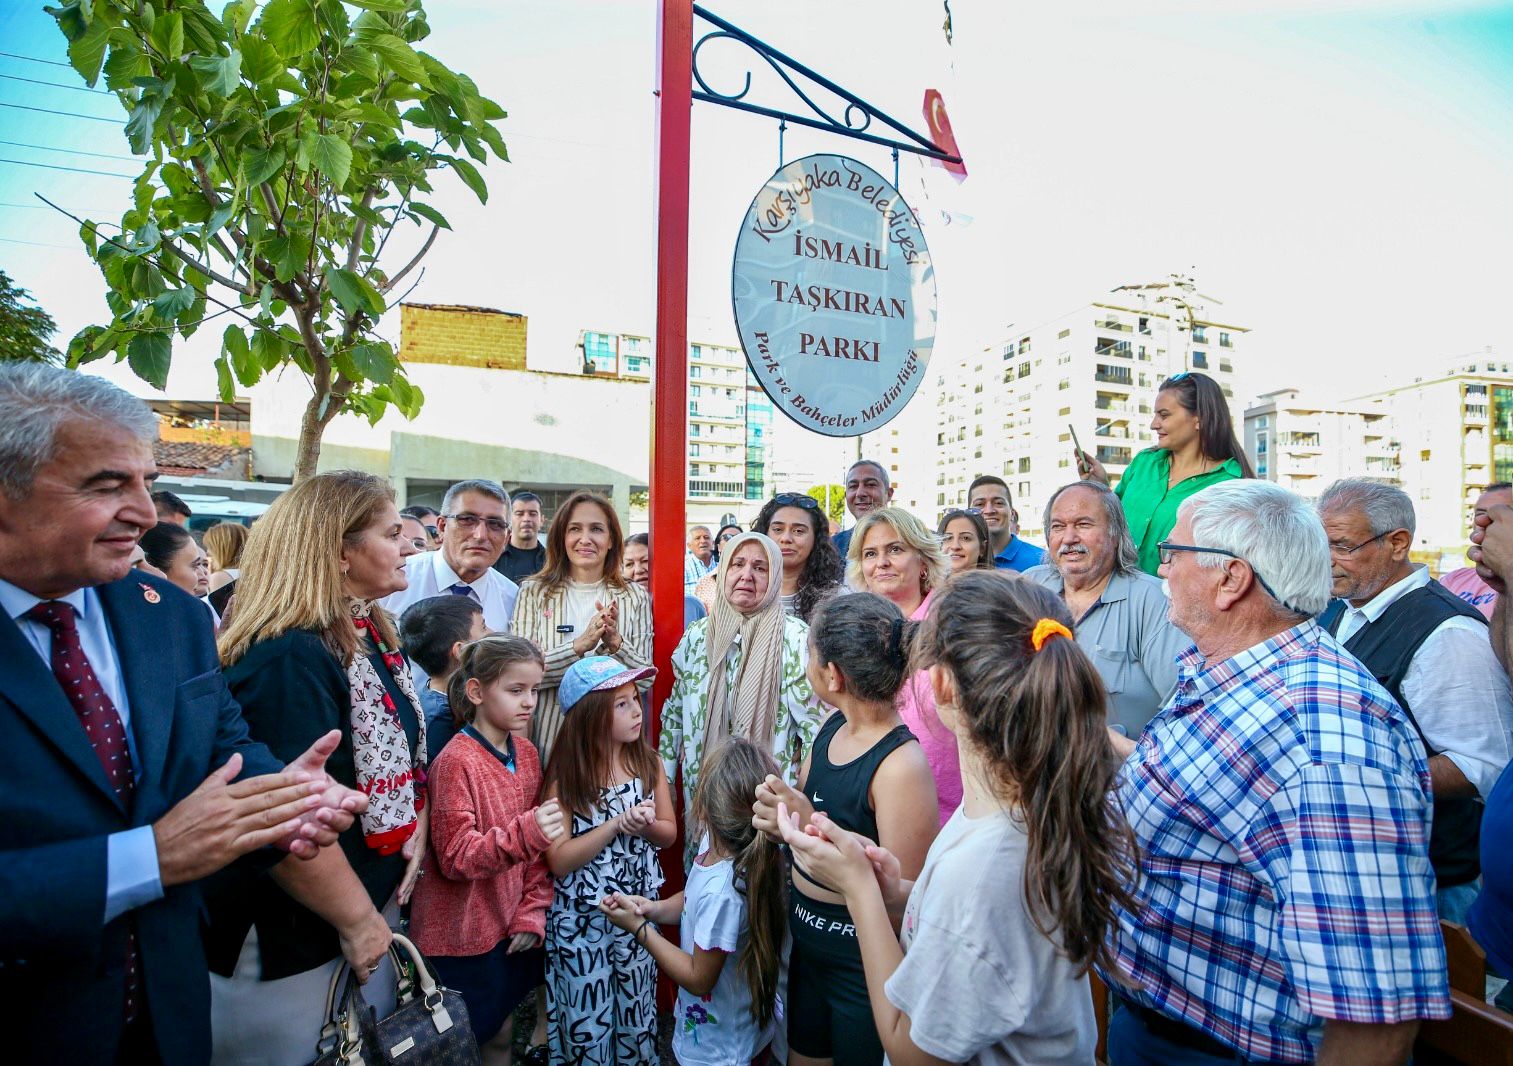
x=24 y=331
x=832 y=500
x=286 y=142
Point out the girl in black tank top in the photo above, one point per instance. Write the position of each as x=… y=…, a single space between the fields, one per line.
x=868 y=774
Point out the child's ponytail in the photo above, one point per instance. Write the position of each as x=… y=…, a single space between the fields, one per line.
x=1036 y=709
x=722 y=807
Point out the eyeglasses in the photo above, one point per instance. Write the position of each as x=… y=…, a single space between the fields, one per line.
x=1340 y=549
x=956 y=511
x=1166 y=549
x=469 y=522
x=432 y=531
x=419 y=542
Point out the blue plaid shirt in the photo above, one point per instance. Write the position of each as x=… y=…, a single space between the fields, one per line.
x=1281 y=804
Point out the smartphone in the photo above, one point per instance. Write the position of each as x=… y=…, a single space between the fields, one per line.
x=1076 y=446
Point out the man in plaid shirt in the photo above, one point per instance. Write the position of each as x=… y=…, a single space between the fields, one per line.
x=1281 y=803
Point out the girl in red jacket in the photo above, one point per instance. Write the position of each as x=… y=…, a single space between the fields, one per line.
x=479 y=909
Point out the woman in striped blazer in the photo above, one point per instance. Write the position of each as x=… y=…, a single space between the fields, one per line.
x=579 y=604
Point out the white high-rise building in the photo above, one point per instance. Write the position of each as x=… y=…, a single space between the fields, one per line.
x=1306 y=444
x=1456 y=429
x=1012 y=408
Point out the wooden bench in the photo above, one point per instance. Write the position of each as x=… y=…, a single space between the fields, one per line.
x=1477 y=1033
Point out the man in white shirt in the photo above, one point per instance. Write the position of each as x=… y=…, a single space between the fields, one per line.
x=1432 y=652
x=474 y=528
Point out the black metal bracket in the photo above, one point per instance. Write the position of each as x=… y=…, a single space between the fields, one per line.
x=854 y=121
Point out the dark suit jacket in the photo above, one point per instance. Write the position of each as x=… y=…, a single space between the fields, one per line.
x=62 y=975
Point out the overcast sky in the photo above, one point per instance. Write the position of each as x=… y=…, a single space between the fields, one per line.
x=1338 y=174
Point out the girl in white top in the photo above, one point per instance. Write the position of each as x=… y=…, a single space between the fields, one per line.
x=1018 y=890
x=731 y=917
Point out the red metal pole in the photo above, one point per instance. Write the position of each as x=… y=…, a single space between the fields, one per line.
x=669 y=405
x=669 y=396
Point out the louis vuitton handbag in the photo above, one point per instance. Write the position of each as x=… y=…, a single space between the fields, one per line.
x=429 y=1025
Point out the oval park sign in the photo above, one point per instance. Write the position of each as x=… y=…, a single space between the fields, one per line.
x=834 y=295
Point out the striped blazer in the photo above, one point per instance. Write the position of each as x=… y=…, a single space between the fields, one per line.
x=535 y=618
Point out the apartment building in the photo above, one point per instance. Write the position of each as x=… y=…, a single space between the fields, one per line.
x=1305 y=444
x=1456 y=432
x=730 y=420
x=1014 y=407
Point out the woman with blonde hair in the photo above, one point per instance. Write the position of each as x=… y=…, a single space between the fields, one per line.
x=896 y=556
x=224 y=543
x=305 y=652
x=580 y=604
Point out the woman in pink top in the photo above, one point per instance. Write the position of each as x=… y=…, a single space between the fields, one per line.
x=894 y=555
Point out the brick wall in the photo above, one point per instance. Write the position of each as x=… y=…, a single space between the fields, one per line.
x=462 y=336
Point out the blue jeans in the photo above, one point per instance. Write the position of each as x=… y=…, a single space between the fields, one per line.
x=1130 y=1043
x=1453 y=902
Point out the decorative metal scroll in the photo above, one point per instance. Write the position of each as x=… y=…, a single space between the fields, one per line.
x=855 y=120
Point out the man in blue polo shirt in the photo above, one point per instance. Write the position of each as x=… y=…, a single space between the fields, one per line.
x=990 y=496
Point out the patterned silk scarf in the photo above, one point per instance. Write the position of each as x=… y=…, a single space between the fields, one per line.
x=387 y=774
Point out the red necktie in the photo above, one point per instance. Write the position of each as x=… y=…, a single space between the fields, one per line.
x=102 y=725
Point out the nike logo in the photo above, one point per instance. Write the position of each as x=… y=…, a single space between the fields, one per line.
x=817 y=800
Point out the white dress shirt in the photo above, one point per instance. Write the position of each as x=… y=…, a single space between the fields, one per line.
x=1455 y=687
x=131 y=857
x=430 y=576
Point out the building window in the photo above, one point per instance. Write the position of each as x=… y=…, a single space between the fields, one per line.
x=1225 y=341
x=1024 y=464
x=1145 y=325
x=1063 y=412
x=1200 y=360
x=1063 y=335
x=1200 y=334
x=1024 y=489
x=1024 y=370
x=1064 y=383
x=693 y=469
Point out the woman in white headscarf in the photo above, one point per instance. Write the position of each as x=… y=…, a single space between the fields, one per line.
x=741 y=672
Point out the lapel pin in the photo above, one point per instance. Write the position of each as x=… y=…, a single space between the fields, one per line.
x=149 y=593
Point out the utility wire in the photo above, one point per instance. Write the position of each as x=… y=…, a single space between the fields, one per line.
x=36 y=244
x=26 y=207
x=56 y=84
x=33 y=59
x=67 y=114
x=73 y=151
x=75 y=170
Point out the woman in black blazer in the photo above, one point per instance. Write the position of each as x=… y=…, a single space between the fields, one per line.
x=306 y=651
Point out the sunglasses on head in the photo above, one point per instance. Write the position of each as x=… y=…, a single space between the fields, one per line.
x=796 y=499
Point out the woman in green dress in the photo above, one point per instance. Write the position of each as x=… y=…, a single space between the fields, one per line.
x=1195 y=447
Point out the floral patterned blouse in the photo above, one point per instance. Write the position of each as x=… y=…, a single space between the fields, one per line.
x=686 y=712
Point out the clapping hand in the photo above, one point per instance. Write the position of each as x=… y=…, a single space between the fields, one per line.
x=764 y=811
x=549 y=820
x=637 y=819
x=626 y=911
x=322 y=824
x=592 y=634
x=609 y=618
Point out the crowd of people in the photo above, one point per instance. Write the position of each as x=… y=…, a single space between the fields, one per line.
x=1230 y=752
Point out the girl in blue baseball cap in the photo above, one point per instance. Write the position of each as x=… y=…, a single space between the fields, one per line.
x=615 y=795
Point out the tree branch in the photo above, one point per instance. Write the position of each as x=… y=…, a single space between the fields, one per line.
x=206 y=269
x=424 y=248
x=361 y=228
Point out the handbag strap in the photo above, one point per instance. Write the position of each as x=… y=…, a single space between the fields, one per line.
x=430 y=992
x=341 y=1032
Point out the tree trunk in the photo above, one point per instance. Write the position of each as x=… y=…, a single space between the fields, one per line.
x=311 y=428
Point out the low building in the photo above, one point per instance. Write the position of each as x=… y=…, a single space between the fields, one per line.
x=1305 y=444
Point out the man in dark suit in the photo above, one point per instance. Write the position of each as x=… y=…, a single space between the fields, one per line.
x=128 y=773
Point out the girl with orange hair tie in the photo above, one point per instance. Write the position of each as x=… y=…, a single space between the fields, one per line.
x=1017 y=892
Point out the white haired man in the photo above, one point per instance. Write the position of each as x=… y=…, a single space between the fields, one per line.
x=1429 y=648
x=1280 y=802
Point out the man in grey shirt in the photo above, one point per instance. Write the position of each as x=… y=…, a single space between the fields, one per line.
x=1120 y=611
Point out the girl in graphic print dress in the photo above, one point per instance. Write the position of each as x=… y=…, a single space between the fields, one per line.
x=601 y=985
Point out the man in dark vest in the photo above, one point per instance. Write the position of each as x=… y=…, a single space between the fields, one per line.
x=1431 y=651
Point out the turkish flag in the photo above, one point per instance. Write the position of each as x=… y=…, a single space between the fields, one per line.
x=940 y=130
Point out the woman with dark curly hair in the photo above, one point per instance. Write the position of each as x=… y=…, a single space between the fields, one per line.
x=812 y=568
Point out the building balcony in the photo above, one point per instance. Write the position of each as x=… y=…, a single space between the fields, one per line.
x=1123 y=381
x=1114 y=405
x=1118 y=456
x=1119 y=351
x=1113 y=324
